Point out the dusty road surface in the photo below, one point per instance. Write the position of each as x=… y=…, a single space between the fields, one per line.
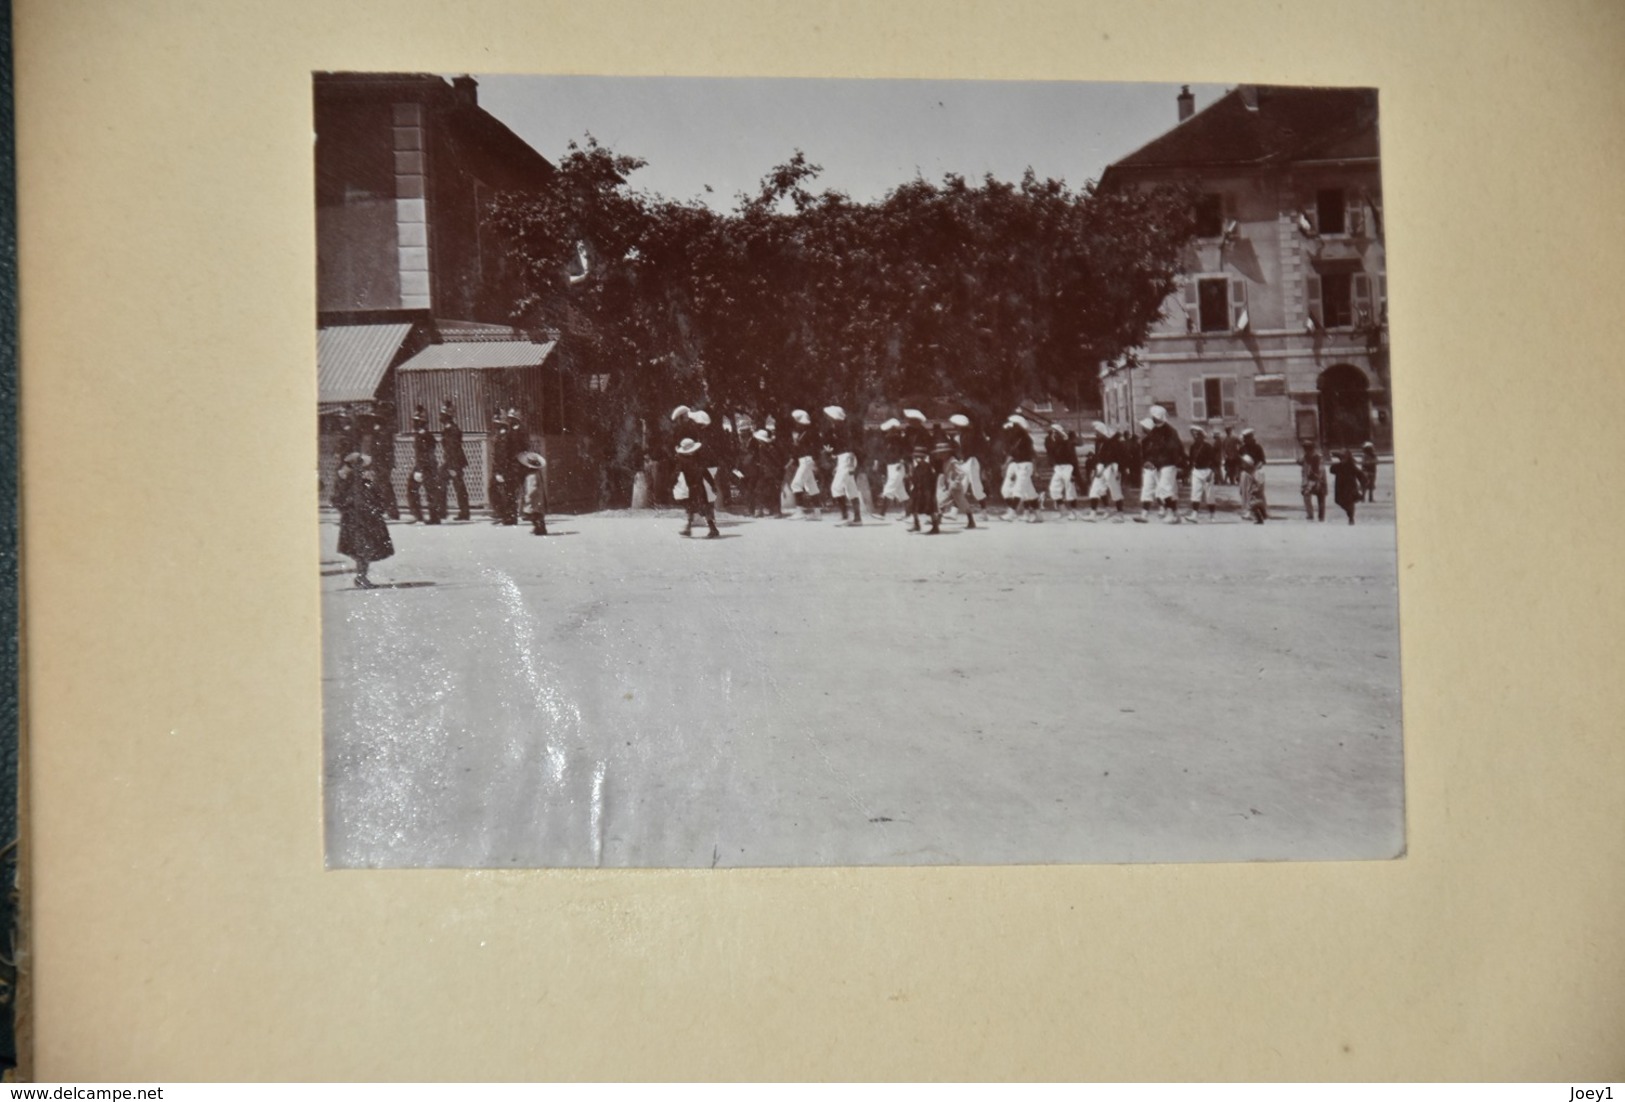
x=800 y=693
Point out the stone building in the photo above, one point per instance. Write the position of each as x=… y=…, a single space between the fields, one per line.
x=1280 y=320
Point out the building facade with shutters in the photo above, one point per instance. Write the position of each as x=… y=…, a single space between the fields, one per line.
x=1279 y=323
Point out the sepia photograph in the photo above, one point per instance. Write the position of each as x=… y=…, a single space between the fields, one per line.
x=787 y=472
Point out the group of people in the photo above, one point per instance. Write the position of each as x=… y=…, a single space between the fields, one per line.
x=930 y=470
x=363 y=485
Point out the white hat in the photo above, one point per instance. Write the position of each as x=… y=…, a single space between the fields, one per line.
x=1147 y=423
x=1056 y=426
x=1158 y=413
x=688 y=447
x=700 y=417
x=890 y=423
x=913 y=415
x=679 y=413
x=835 y=413
x=1017 y=420
x=960 y=419
x=1198 y=430
x=763 y=436
x=799 y=416
x=1101 y=428
x=1246 y=432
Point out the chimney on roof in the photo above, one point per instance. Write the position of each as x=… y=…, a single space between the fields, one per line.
x=1187 y=103
x=1249 y=96
x=466 y=89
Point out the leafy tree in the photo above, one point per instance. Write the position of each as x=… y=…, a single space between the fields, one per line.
x=989 y=293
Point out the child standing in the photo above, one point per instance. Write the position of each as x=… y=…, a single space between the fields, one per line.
x=534 y=500
x=363 y=535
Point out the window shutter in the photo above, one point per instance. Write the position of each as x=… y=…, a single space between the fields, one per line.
x=1311 y=210
x=1188 y=296
x=1227 y=388
x=1361 y=288
x=1382 y=298
x=1238 y=301
x=1198 y=401
x=1354 y=216
x=1313 y=304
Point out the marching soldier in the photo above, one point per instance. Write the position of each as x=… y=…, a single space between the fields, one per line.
x=897 y=456
x=1107 y=480
x=1204 y=460
x=1063 y=457
x=804 y=445
x=454 y=461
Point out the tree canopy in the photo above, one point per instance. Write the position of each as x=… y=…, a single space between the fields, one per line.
x=986 y=292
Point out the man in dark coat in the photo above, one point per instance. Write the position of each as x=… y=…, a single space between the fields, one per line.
x=363 y=535
x=498 y=490
x=1347 y=484
x=380 y=445
x=453 y=462
x=421 y=491
x=518 y=443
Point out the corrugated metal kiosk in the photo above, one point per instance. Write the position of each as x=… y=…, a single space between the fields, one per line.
x=480 y=377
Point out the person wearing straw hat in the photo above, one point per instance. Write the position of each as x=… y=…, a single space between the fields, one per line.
x=422 y=496
x=1063 y=457
x=702 y=488
x=804 y=444
x=518 y=442
x=1018 y=487
x=363 y=535
x=1106 y=482
x=533 y=496
x=897 y=453
x=1204 y=463
x=844 y=486
x=1368 y=470
x=453 y=462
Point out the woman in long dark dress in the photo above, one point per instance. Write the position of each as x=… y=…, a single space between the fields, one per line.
x=359 y=499
x=1346 y=482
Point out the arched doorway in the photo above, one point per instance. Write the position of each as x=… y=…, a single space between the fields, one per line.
x=1345 y=406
